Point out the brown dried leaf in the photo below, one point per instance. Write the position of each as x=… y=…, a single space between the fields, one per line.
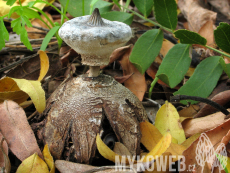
x=221 y=98
x=189 y=111
x=196 y=15
x=207 y=31
x=223 y=6
x=17 y=131
x=136 y=83
x=199 y=125
x=30 y=69
x=120 y=149
x=4 y=159
x=70 y=167
x=214 y=138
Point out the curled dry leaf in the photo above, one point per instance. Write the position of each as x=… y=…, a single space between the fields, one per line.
x=196 y=15
x=44 y=63
x=221 y=98
x=199 y=125
x=214 y=137
x=17 y=131
x=33 y=164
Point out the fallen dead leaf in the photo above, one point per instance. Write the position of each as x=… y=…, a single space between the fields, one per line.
x=44 y=63
x=136 y=83
x=189 y=111
x=196 y=15
x=19 y=137
x=214 y=137
x=167 y=120
x=48 y=159
x=223 y=6
x=199 y=125
x=4 y=159
x=120 y=149
x=33 y=164
x=207 y=31
x=221 y=98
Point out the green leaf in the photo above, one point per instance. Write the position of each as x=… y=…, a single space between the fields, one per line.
x=30 y=13
x=48 y=37
x=12 y=10
x=75 y=7
x=222 y=36
x=103 y=6
x=166 y=13
x=189 y=37
x=4 y=35
x=203 y=80
x=146 y=49
x=144 y=6
x=117 y=3
x=226 y=67
x=16 y=25
x=118 y=16
x=24 y=38
x=175 y=65
x=26 y=20
x=10 y=2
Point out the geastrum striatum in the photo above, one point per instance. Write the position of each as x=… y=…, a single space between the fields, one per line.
x=80 y=108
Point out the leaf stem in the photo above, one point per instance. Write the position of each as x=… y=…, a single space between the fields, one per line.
x=222 y=53
x=152 y=86
x=155 y=23
x=44 y=14
x=127 y=4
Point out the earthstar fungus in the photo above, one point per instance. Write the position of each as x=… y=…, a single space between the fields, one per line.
x=94 y=38
x=77 y=110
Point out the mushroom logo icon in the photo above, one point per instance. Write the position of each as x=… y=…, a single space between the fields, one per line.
x=205 y=152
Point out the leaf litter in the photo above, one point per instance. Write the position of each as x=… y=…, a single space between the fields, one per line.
x=156 y=141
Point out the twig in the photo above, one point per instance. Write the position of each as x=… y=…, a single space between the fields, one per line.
x=178 y=98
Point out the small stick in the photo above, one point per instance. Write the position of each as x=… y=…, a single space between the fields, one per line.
x=177 y=98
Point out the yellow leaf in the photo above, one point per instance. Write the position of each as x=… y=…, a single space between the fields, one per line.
x=33 y=164
x=19 y=91
x=168 y=120
x=48 y=158
x=150 y=135
x=190 y=72
x=107 y=153
x=190 y=140
x=10 y=91
x=44 y=61
x=159 y=149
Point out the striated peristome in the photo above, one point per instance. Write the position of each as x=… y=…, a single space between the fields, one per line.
x=77 y=111
x=94 y=37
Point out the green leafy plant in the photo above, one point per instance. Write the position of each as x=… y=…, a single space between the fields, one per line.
x=177 y=61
